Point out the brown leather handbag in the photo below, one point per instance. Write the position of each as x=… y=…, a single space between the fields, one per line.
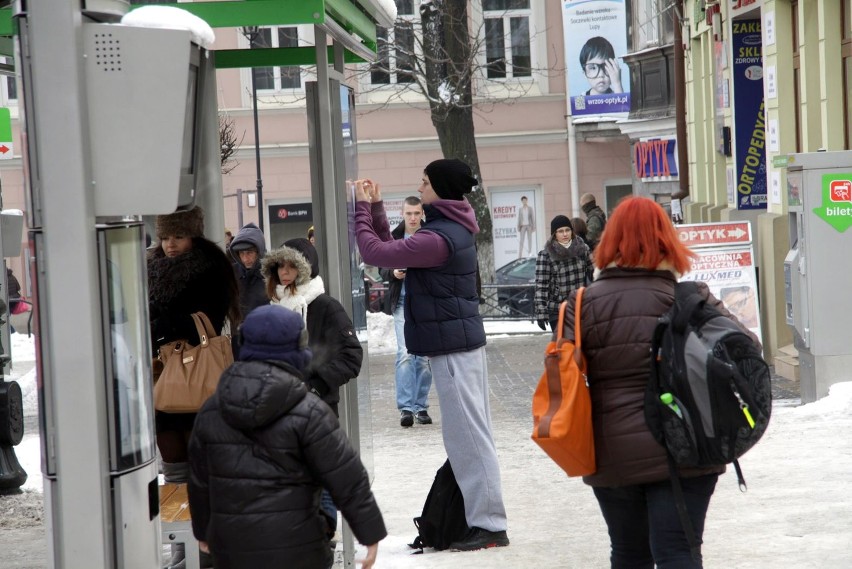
x=190 y=374
x=562 y=406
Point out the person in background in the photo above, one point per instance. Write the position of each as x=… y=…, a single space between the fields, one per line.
x=640 y=258
x=247 y=248
x=413 y=374
x=14 y=288
x=526 y=227
x=561 y=267
x=262 y=449
x=228 y=238
x=442 y=321
x=311 y=236
x=187 y=273
x=580 y=229
x=595 y=220
x=293 y=281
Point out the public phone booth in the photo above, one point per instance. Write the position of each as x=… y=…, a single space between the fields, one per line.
x=133 y=133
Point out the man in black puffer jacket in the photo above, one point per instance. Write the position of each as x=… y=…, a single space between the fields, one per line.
x=261 y=450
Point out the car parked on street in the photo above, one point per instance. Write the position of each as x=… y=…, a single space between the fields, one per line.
x=517 y=299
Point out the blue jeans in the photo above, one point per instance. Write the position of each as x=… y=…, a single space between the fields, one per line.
x=413 y=373
x=644 y=526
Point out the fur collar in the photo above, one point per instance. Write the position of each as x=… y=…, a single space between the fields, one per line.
x=559 y=252
x=304 y=295
x=168 y=277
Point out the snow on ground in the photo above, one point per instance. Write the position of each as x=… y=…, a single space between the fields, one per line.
x=797 y=512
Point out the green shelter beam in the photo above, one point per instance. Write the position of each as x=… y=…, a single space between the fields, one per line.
x=274 y=57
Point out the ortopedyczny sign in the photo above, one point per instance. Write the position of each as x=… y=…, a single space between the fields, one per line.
x=836 y=208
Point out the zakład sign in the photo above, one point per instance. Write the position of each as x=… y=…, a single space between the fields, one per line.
x=655 y=159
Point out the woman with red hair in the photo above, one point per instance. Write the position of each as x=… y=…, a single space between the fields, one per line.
x=639 y=260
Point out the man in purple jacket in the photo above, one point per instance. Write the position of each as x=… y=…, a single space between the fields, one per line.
x=442 y=322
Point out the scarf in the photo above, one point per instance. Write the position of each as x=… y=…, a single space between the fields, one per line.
x=298 y=301
x=559 y=252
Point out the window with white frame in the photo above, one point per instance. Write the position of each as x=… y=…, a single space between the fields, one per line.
x=508 y=52
x=8 y=87
x=276 y=78
x=395 y=51
x=652 y=24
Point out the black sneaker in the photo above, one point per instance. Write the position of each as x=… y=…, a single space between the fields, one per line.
x=406 y=418
x=423 y=418
x=478 y=538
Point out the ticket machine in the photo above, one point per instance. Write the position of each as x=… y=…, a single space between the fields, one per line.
x=817 y=274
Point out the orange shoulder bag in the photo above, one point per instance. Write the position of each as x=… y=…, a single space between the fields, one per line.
x=562 y=406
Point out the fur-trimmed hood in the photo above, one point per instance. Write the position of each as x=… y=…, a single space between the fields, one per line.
x=282 y=255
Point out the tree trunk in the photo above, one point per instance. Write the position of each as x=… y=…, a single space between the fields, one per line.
x=449 y=75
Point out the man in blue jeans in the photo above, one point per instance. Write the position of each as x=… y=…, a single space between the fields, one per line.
x=413 y=374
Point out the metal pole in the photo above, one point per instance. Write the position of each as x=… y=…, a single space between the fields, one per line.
x=240 y=208
x=257 y=147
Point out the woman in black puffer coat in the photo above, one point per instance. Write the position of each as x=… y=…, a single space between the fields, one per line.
x=261 y=450
x=331 y=336
x=186 y=273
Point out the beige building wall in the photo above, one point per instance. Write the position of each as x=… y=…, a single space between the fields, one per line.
x=522 y=143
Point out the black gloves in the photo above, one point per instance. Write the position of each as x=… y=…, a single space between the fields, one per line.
x=542 y=324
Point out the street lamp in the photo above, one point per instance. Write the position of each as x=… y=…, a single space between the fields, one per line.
x=252 y=33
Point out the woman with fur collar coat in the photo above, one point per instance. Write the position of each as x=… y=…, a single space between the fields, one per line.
x=293 y=281
x=186 y=273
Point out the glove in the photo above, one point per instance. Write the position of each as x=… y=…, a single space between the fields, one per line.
x=542 y=324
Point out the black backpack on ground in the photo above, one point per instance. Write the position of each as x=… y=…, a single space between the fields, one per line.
x=709 y=396
x=442 y=521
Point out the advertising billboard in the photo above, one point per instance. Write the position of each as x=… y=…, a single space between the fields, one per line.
x=598 y=81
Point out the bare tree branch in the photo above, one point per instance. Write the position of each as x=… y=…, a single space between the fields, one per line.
x=228 y=143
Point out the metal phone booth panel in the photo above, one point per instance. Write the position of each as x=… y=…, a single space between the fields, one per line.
x=819 y=194
x=120 y=140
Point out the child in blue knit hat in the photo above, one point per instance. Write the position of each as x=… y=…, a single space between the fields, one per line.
x=261 y=450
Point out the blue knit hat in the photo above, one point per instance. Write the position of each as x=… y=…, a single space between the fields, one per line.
x=272 y=332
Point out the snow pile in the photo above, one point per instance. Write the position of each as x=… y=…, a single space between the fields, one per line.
x=381 y=333
x=169 y=17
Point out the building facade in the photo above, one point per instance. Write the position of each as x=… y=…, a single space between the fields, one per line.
x=520 y=122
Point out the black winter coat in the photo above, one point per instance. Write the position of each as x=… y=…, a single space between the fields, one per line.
x=394 y=284
x=250 y=281
x=337 y=352
x=196 y=281
x=331 y=335
x=261 y=450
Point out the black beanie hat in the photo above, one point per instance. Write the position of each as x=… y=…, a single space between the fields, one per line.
x=451 y=179
x=560 y=221
x=307 y=250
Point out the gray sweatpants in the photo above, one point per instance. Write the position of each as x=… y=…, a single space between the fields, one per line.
x=461 y=381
